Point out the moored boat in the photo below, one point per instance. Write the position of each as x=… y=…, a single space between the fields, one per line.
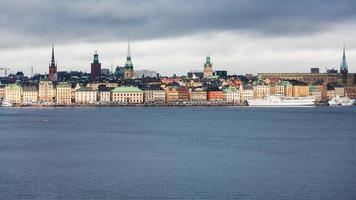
x=6 y=104
x=341 y=101
x=280 y=100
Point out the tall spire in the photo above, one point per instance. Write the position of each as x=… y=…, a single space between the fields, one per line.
x=343 y=65
x=53 y=61
x=128 y=64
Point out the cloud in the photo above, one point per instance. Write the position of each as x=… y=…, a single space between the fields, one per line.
x=39 y=22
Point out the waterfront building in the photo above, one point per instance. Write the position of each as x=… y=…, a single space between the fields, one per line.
x=300 y=91
x=154 y=95
x=13 y=93
x=246 y=93
x=288 y=88
x=46 y=91
x=128 y=70
x=64 y=93
x=52 y=75
x=316 y=91
x=215 y=95
x=30 y=94
x=2 y=92
x=171 y=94
x=350 y=91
x=183 y=93
x=95 y=71
x=208 y=68
x=261 y=89
x=232 y=95
x=198 y=94
x=85 y=95
x=127 y=94
x=104 y=94
x=339 y=91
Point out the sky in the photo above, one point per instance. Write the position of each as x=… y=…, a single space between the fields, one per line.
x=175 y=36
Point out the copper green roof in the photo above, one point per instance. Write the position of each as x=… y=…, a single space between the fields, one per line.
x=85 y=89
x=126 y=89
x=231 y=89
x=13 y=87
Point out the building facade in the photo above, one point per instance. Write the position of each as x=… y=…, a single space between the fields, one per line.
x=85 y=95
x=13 y=93
x=46 y=91
x=30 y=94
x=215 y=95
x=64 y=93
x=198 y=95
x=232 y=95
x=127 y=95
x=154 y=96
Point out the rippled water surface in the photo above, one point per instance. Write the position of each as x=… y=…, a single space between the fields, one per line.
x=178 y=153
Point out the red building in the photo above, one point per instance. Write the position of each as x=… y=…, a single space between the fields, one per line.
x=95 y=71
x=183 y=93
x=215 y=95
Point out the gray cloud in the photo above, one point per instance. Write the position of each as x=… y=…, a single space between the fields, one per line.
x=39 y=22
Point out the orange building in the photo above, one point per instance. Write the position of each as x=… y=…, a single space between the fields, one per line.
x=215 y=95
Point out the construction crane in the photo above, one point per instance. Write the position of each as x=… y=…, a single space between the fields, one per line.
x=5 y=69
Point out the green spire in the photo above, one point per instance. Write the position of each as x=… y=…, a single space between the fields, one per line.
x=207 y=62
x=96 y=57
x=343 y=65
x=128 y=64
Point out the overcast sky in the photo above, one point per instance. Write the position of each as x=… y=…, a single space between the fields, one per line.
x=241 y=36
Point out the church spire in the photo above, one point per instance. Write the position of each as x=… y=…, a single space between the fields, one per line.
x=343 y=65
x=128 y=64
x=53 y=61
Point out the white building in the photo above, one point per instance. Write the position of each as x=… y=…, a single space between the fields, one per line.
x=154 y=96
x=85 y=95
x=232 y=95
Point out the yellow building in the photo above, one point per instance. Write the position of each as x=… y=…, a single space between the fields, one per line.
x=198 y=95
x=46 y=92
x=261 y=91
x=246 y=93
x=13 y=93
x=288 y=90
x=30 y=94
x=300 y=91
x=64 y=93
x=126 y=94
x=172 y=94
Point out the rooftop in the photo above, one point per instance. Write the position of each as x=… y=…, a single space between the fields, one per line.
x=126 y=89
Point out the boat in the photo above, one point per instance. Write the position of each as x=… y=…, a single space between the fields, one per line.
x=341 y=101
x=6 y=104
x=280 y=100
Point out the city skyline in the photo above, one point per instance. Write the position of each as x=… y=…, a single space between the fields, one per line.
x=241 y=37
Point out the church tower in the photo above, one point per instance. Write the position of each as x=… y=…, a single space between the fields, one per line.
x=95 y=71
x=208 y=68
x=128 y=71
x=343 y=65
x=53 y=68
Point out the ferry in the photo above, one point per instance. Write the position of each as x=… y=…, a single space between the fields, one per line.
x=6 y=104
x=280 y=100
x=341 y=101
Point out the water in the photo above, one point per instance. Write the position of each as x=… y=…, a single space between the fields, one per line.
x=178 y=153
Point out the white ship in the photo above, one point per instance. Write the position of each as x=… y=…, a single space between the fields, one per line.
x=341 y=101
x=282 y=101
x=6 y=104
